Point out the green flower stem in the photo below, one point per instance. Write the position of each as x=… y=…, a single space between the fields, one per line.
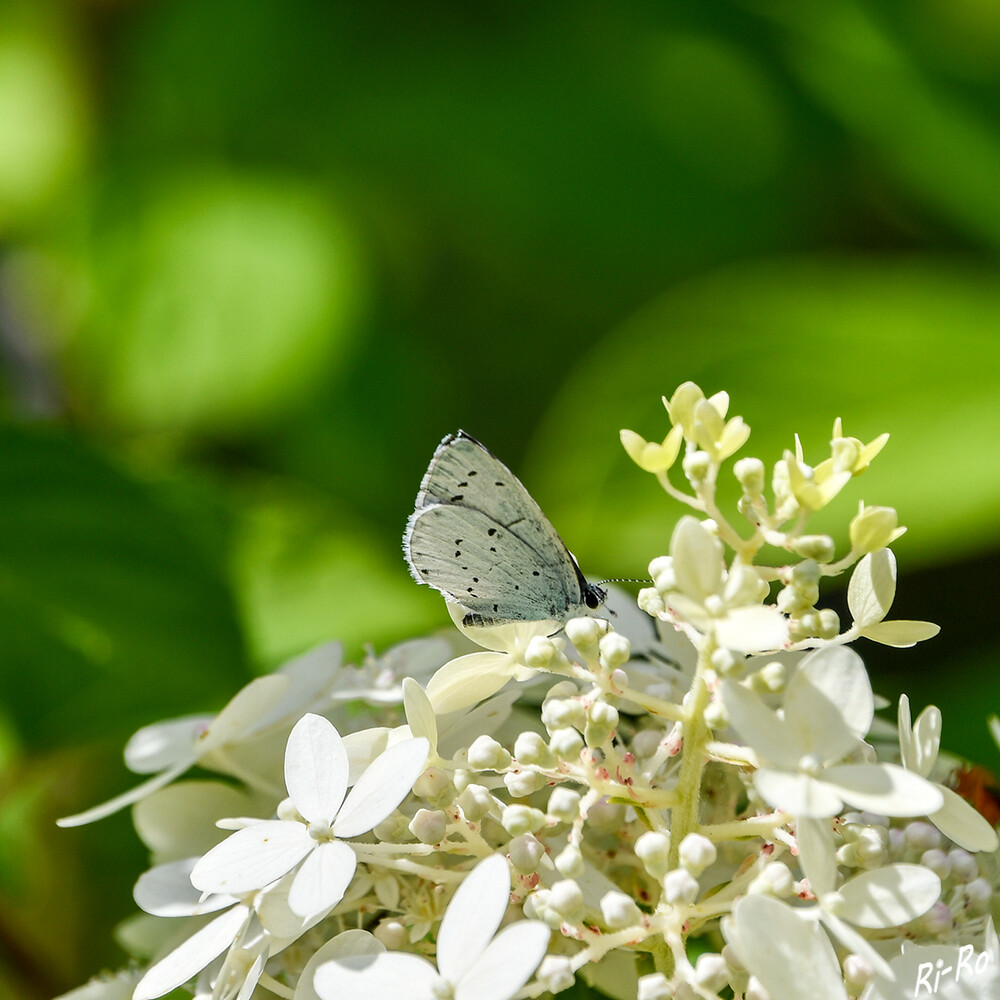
x=756 y=826
x=684 y=816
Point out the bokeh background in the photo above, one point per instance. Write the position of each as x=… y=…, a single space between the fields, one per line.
x=258 y=256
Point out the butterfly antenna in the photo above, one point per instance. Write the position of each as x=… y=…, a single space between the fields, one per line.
x=625 y=579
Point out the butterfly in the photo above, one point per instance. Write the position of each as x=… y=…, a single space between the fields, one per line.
x=478 y=537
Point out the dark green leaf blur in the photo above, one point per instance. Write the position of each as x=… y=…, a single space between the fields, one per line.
x=258 y=256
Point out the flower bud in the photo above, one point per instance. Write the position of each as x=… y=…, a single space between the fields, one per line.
x=775 y=880
x=585 y=633
x=523 y=783
x=771 y=678
x=680 y=886
x=433 y=785
x=755 y=990
x=978 y=894
x=525 y=853
x=566 y=899
x=651 y=602
x=654 y=987
x=531 y=749
x=697 y=852
x=619 y=910
x=938 y=862
x=964 y=867
x=829 y=624
x=566 y=744
x=874 y=528
x=555 y=974
x=711 y=972
x=392 y=829
x=601 y=724
x=817 y=548
x=750 y=474
x=615 y=650
x=653 y=850
x=938 y=919
x=558 y=713
x=858 y=973
x=569 y=862
x=519 y=819
x=391 y=932
x=540 y=652
x=486 y=754
x=429 y=826
x=921 y=836
x=475 y=802
x=564 y=804
x=726 y=663
x=696 y=466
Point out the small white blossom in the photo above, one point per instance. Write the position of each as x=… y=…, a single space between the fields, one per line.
x=828 y=708
x=316 y=775
x=918 y=749
x=473 y=961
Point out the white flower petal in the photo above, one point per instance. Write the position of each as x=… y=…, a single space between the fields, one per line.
x=507 y=963
x=344 y=945
x=797 y=794
x=253 y=857
x=382 y=787
x=778 y=947
x=179 y=821
x=419 y=711
x=321 y=881
x=900 y=633
x=189 y=958
x=752 y=629
x=459 y=729
x=244 y=712
x=376 y=977
x=311 y=677
x=128 y=798
x=165 y=744
x=252 y=977
x=872 y=587
x=698 y=559
x=758 y=726
x=362 y=748
x=467 y=679
x=853 y=941
x=959 y=821
x=816 y=854
x=316 y=768
x=886 y=897
x=473 y=916
x=926 y=740
x=166 y=891
x=884 y=788
x=838 y=673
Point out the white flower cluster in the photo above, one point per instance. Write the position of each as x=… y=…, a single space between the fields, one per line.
x=494 y=825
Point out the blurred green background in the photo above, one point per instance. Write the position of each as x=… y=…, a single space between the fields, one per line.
x=258 y=256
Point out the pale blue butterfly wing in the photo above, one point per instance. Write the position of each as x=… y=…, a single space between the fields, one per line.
x=478 y=537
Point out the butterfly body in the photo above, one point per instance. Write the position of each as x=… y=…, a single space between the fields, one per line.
x=478 y=537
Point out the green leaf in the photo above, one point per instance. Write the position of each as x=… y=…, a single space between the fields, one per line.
x=214 y=301
x=306 y=572
x=110 y=614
